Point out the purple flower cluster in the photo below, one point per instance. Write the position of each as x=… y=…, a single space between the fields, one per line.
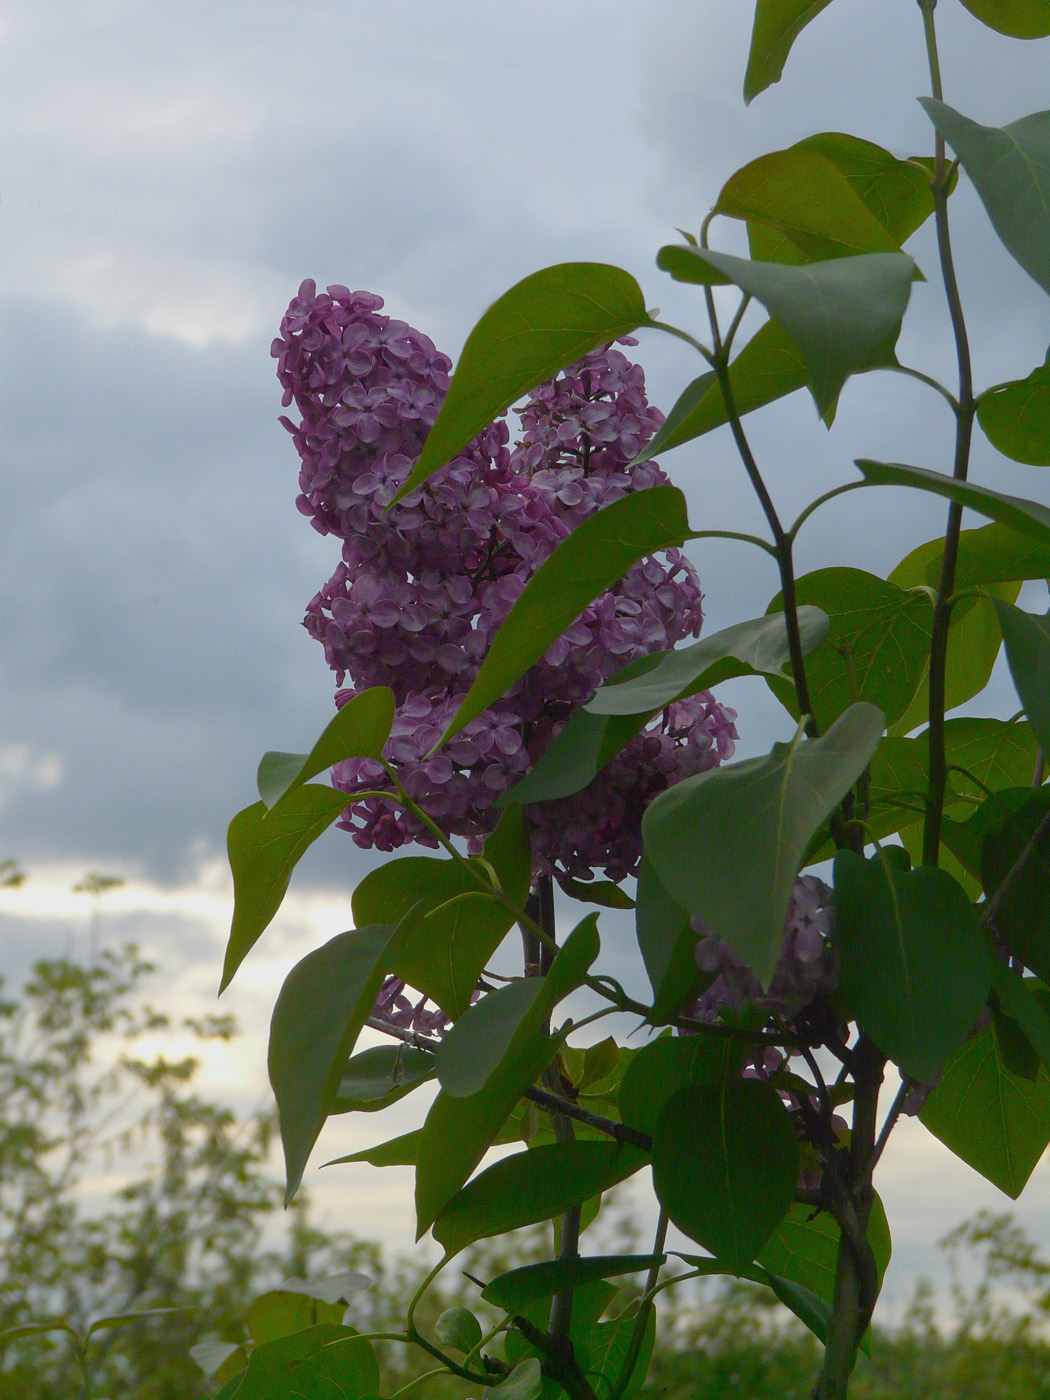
x=806 y=967
x=422 y=589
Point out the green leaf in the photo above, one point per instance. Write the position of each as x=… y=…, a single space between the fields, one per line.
x=778 y=23
x=725 y=1165
x=1027 y=517
x=401 y=1151
x=1019 y=1000
x=514 y=1291
x=542 y=324
x=877 y=646
x=1026 y=637
x=378 y=1077
x=667 y=1065
x=1021 y=912
x=459 y=1130
x=525 y=1382
x=803 y=195
x=36 y=1329
x=768 y=367
x=1016 y=417
x=1010 y=169
x=322 y=1006
x=805 y=1248
x=666 y=941
x=219 y=1359
x=996 y=1122
x=757 y=647
x=606 y=1348
x=902 y=937
x=1020 y=19
x=533 y=1186
x=812 y=1311
x=897 y=192
x=844 y=315
x=459 y=926
x=602 y=892
x=996 y=754
x=475 y=1046
x=279 y=1313
x=576 y=755
x=459 y=1328
x=753 y=821
x=594 y=557
x=358 y=730
x=264 y=848
x=322 y=1363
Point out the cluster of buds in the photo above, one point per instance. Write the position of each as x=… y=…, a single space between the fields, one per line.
x=422 y=587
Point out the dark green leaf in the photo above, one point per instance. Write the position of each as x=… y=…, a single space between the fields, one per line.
x=666 y=940
x=358 y=730
x=753 y=821
x=805 y=1248
x=532 y=1186
x=459 y=1328
x=322 y=1006
x=542 y=324
x=778 y=23
x=1020 y=19
x=446 y=950
x=514 y=1291
x=475 y=1046
x=459 y=1130
x=1027 y=517
x=602 y=892
x=1010 y=169
x=757 y=647
x=281 y=1314
x=726 y=1164
x=307 y=1366
x=1016 y=417
x=995 y=754
x=902 y=937
x=1022 y=913
x=877 y=646
x=401 y=1151
x=844 y=315
x=264 y=848
x=525 y=1382
x=378 y=1077
x=1027 y=640
x=810 y=1309
x=769 y=367
x=996 y=1122
x=586 y=564
x=1022 y=1025
x=606 y=1348
x=576 y=755
x=665 y=1066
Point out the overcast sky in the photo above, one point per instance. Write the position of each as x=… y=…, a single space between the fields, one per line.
x=168 y=177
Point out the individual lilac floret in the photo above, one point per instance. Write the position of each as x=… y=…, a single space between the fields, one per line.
x=806 y=967
x=423 y=587
x=393 y=1007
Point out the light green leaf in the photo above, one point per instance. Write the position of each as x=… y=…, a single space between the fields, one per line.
x=358 y=730
x=594 y=557
x=1020 y=19
x=1026 y=637
x=768 y=367
x=778 y=23
x=844 y=315
x=997 y=755
x=459 y=926
x=757 y=647
x=753 y=821
x=278 y=1313
x=514 y=1291
x=532 y=1186
x=1016 y=417
x=996 y=1122
x=322 y=1006
x=545 y=322
x=1027 y=517
x=901 y=938
x=459 y=1130
x=897 y=192
x=264 y=848
x=378 y=1077
x=805 y=1248
x=803 y=195
x=725 y=1165
x=1010 y=169
x=877 y=644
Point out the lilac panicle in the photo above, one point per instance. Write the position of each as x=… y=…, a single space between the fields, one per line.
x=422 y=588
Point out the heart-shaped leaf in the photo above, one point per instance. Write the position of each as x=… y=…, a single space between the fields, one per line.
x=1010 y=169
x=752 y=822
x=545 y=322
x=1016 y=417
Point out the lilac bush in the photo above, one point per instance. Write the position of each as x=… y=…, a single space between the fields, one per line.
x=422 y=589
